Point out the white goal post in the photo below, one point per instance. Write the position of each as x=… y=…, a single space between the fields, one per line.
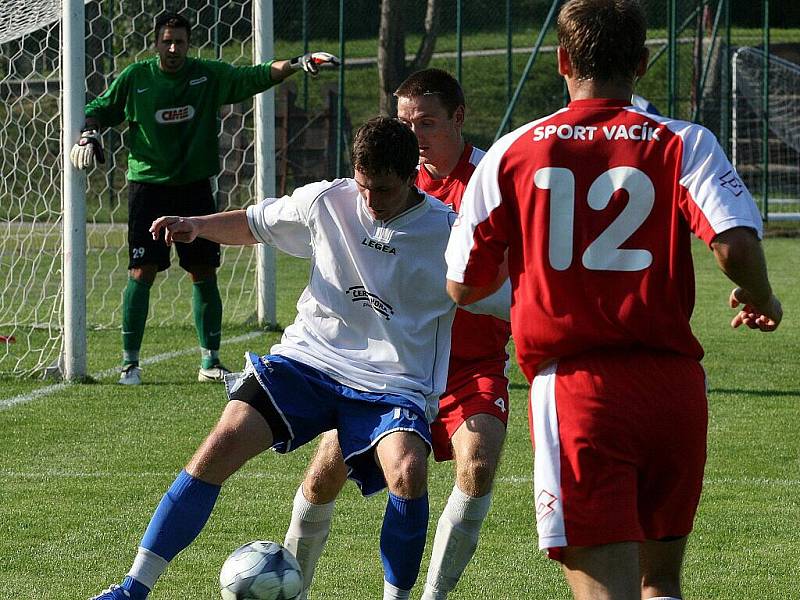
x=63 y=248
x=73 y=191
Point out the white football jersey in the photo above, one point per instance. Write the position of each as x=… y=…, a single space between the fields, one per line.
x=375 y=314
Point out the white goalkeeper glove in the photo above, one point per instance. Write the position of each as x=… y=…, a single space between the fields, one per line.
x=87 y=150
x=312 y=62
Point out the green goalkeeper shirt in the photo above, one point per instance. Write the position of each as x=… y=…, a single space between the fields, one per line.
x=173 y=118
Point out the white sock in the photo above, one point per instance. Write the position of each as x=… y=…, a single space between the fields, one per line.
x=455 y=542
x=308 y=531
x=147 y=567
x=663 y=598
x=391 y=592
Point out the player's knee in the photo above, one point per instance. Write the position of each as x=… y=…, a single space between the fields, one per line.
x=218 y=457
x=200 y=273
x=477 y=458
x=406 y=476
x=144 y=274
x=475 y=475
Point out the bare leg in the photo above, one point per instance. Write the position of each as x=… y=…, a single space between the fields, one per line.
x=607 y=572
x=312 y=511
x=403 y=457
x=660 y=566
x=145 y=273
x=201 y=272
x=477 y=445
x=240 y=434
x=327 y=472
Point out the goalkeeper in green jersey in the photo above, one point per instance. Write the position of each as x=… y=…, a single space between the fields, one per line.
x=171 y=103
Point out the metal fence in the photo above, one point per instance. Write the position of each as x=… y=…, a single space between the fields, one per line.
x=501 y=50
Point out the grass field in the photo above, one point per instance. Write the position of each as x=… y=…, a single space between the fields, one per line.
x=83 y=466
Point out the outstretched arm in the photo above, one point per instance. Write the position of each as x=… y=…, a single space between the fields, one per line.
x=310 y=62
x=740 y=256
x=228 y=228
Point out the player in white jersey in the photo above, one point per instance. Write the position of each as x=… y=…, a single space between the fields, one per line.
x=473 y=411
x=367 y=354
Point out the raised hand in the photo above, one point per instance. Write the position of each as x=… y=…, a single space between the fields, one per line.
x=312 y=62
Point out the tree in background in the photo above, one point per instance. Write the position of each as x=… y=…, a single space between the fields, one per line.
x=392 y=67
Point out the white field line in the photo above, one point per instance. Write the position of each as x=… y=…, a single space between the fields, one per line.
x=57 y=387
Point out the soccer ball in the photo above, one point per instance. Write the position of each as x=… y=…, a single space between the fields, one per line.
x=261 y=571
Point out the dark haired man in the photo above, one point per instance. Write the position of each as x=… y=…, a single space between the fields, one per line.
x=366 y=355
x=171 y=103
x=473 y=410
x=593 y=207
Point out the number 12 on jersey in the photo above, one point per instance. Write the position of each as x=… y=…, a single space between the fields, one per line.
x=604 y=252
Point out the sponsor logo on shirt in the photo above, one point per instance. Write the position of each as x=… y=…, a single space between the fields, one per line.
x=199 y=80
x=358 y=293
x=180 y=114
x=379 y=246
x=731 y=182
x=645 y=132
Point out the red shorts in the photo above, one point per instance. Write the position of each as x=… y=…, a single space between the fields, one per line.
x=620 y=440
x=473 y=390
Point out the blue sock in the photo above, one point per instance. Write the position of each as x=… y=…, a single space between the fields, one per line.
x=405 y=526
x=137 y=590
x=180 y=516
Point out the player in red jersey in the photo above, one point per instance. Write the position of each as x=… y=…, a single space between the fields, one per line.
x=473 y=411
x=594 y=206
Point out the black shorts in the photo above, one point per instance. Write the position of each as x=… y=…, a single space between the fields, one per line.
x=147 y=202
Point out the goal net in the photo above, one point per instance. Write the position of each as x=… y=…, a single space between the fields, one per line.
x=30 y=224
x=779 y=171
x=31 y=262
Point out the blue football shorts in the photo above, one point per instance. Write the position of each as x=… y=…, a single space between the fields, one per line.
x=300 y=402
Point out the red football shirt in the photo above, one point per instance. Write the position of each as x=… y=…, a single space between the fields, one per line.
x=474 y=337
x=595 y=204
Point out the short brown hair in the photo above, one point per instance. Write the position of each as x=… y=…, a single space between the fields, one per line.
x=383 y=145
x=433 y=82
x=174 y=21
x=604 y=38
